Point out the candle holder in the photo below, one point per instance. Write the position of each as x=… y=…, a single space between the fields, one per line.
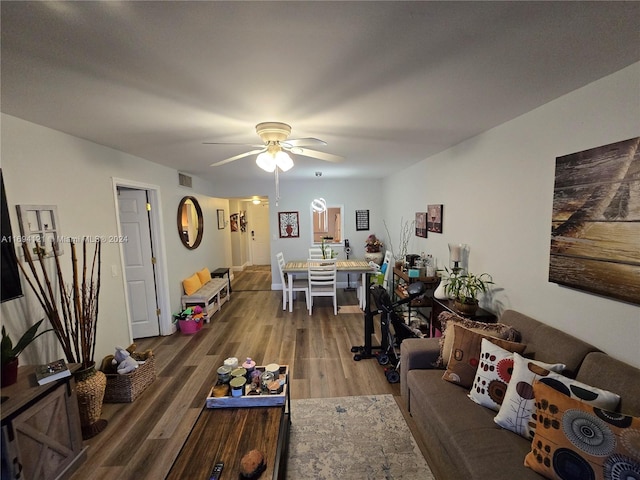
x=458 y=257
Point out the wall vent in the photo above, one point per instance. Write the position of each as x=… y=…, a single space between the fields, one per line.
x=184 y=180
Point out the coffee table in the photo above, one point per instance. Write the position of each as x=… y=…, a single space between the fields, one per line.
x=226 y=434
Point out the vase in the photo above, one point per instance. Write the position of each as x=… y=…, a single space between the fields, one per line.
x=441 y=292
x=375 y=257
x=90 y=388
x=10 y=372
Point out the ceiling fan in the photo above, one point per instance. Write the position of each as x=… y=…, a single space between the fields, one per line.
x=274 y=152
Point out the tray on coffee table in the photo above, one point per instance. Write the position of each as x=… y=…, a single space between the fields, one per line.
x=265 y=399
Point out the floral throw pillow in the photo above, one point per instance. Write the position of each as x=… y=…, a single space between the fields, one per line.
x=575 y=440
x=518 y=404
x=492 y=376
x=465 y=355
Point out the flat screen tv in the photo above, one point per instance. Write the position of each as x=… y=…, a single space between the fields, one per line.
x=10 y=285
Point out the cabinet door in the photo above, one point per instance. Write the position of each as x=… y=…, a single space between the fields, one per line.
x=45 y=435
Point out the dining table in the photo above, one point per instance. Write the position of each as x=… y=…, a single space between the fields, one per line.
x=361 y=267
x=357 y=266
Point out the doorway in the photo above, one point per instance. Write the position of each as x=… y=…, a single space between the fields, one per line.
x=143 y=258
x=259 y=234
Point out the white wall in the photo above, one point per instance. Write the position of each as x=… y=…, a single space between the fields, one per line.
x=296 y=196
x=497 y=192
x=44 y=166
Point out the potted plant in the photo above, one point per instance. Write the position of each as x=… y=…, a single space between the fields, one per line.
x=10 y=352
x=373 y=249
x=406 y=230
x=464 y=289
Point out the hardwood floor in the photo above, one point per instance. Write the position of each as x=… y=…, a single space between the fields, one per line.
x=143 y=438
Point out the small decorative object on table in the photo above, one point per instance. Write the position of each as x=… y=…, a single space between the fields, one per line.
x=373 y=249
x=265 y=386
x=52 y=371
x=252 y=464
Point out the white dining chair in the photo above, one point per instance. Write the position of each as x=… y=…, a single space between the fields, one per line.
x=315 y=253
x=291 y=285
x=322 y=281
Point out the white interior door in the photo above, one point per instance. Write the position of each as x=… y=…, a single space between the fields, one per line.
x=260 y=244
x=138 y=262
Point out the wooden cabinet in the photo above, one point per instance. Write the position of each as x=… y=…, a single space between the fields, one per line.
x=41 y=435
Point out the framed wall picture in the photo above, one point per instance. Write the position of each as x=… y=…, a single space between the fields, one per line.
x=421 y=224
x=595 y=225
x=434 y=218
x=288 y=225
x=362 y=220
x=39 y=229
x=233 y=221
x=220 y=219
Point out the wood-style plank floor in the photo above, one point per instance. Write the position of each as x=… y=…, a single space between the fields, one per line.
x=143 y=438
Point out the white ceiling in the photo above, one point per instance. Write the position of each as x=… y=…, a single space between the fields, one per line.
x=385 y=84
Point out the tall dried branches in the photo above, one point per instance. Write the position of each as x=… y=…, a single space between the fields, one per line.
x=74 y=312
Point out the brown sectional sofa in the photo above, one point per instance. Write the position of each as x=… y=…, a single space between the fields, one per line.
x=461 y=438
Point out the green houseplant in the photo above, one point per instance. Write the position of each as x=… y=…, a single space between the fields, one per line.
x=464 y=289
x=10 y=353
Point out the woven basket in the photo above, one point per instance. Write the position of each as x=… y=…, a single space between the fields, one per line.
x=127 y=387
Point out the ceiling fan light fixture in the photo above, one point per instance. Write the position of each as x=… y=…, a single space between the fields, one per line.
x=283 y=161
x=266 y=162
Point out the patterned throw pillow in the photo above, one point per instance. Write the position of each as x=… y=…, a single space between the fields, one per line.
x=575 y=440
x=518 y=405
x=492 y=376
x=465 y=355
x=448 y=320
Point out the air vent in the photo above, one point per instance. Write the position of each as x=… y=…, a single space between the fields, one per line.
x=184 y=180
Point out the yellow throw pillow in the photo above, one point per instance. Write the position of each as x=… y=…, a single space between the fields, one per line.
x=204 y=275
x=192 y=284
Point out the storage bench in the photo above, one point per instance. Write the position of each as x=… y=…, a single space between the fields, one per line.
x=211 y=296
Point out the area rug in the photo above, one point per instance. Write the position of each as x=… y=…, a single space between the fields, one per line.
x=352 y=438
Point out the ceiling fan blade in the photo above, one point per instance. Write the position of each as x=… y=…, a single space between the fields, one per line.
x=227 y=143
x=329 y=157
x=238 y=157
x=303 y=142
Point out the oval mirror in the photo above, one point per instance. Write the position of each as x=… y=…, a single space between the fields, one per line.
x=190 y=224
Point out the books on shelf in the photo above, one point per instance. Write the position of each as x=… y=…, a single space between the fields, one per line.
x=52 y=371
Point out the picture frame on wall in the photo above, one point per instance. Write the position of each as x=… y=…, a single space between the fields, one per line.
x=40 y=229
x=288 y=226
x=362 y=220
x=434 y=218
x=220 y=219
x=421 y=224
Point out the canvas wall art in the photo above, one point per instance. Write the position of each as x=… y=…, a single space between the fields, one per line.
x=288 y=224
x=421 y=224
x=595 y=233
x=434 y=218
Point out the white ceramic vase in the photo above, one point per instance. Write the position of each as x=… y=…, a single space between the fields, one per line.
x=441 y=293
